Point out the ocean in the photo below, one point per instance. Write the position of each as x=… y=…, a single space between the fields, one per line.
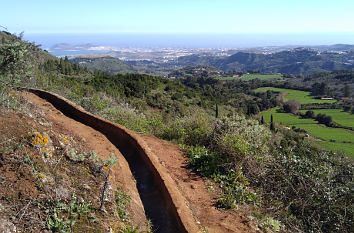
x=47 y=41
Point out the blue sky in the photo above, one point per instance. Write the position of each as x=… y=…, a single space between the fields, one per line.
x=178 y=16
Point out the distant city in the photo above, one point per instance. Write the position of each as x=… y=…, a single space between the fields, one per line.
x=100 y=43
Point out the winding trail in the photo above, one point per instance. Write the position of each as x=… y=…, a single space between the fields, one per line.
x=162 y=202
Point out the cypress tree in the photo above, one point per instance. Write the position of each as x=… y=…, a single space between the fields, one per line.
x=271 y=123
x=347 y=91
x=216 y=111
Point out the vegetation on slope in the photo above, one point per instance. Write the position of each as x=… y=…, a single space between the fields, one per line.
x=299 y=61
x=50 y=181
x=108 y=64
x=277 y=176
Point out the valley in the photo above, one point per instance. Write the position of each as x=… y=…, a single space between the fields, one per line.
x=336 y=139
x=233 y=147
x=162 y=61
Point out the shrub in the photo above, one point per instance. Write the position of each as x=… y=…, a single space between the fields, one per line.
x=238 y=139
x=202 y=160
x=309 y=114
x=324 y=119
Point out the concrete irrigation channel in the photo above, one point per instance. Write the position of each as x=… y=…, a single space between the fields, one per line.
x=163 y=203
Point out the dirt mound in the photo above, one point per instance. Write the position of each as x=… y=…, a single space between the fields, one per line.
x=50 y=178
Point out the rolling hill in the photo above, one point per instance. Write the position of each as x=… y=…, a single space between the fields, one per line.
x=299 y=61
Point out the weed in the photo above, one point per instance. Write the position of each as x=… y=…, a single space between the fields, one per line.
x=205 y=230
x=149 y=226
x=76 y=157
x=111 y=161
x=130 y=229
x=270 y=225
x=93 y=156
x=122 y=203
x=61 y=216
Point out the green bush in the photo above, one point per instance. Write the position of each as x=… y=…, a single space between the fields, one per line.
x=202 y=161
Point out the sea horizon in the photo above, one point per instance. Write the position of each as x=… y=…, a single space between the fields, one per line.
x=158 y=40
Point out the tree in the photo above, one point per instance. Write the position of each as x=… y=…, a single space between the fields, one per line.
x=291 y=106
x=253 y=109
x=320 y=89
x=324 y=119
x=216 y=111
x=347 y=91
x=271 y=127
x=310 y=114
x=346 y=108
x=14 y=62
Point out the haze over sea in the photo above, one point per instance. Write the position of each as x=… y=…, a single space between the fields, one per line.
x=136 y=40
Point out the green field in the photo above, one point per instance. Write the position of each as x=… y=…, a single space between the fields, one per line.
x=338 y=116
x=346 y=148
x=227 y=78
x=316 y=130
x=285 y=118
x=248 y=77
x=303 y=97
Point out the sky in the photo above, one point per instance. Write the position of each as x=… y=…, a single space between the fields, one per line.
x=178 y=16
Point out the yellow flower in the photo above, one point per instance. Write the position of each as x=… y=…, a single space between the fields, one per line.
x=44 y=141
x=65 y=140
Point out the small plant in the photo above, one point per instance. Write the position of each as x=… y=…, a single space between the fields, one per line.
x=226 y=202
x=270 y=225
x=130 y=229
x=201 y=160
x=57 y=224
x=76 y=157
x=205 y=230
x=122 y=202
x=93 y=156
x=149 y=226
x=111 y=161
x=62 y=217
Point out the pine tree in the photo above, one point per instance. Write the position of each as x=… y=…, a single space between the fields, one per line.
x=62 y=66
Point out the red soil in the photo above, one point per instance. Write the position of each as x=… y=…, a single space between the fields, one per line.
x=191 y=186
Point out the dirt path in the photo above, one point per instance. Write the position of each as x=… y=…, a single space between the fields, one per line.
x=194 y=189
